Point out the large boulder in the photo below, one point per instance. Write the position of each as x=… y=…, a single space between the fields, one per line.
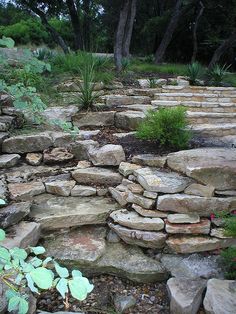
x=155 y=180
x=185 y=295
x=27 y=143
x=213 y=166
x=64 y=212
x=107 y=155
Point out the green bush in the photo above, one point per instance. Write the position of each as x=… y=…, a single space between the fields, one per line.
x=194 y=72
x=217 y=74
x=168 y=126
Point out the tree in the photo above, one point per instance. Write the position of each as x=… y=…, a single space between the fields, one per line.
x=160 y=53
x=129 y=28
x=76 y=23
x=195 y=27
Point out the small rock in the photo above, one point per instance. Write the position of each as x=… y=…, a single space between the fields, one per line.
x=62 y=188
x=108 y=155
x=120 y=197
x=80 y=149
x=218 y=233
x=202 y=227
x=3 y=188
x=127 y=168
x=183 y=218
x=83 y=190
x=151 y=195
x=144 y=202
x=149 y=213
x=112 y=237
x=7 y=161
x=123 y=303
x=102 y=191
x=14 y=213
x=150 y=160
x=57 y=155
x=135 y=188
x=83 y=164
x=34 y=159
x=25 y=190
x=200 y=190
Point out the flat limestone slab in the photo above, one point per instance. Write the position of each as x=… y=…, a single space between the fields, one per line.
x=132 y=219
x=154 y=180
x=64 y=212
x=212 y=166
x=202 y=227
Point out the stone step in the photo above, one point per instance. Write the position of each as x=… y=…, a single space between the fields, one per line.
x=210 y=117
x=117 y=100
x=199 y=89
x=196 y=105
x=128 y=120
x=214 y=130
x=207 y=97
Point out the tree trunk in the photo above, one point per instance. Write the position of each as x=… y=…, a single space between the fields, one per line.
x=55 y=35
x=86 y=24
x=161 y=50
x=195 y=43
x=120 y=35
x=129 y=28
x=76 y=25
x=226 y=44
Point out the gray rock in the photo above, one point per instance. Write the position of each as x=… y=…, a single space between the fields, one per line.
x=135 y=188
x=152 y=195
x=112 y=237
x=108 y=155
x=83 y=190
x=23 y=191
x=62 y=188
x=210 y=166
x=3 y=188
x=154 y=180
x=97 y=176
x=187 y=204
x=200 y=190
x=183 y=218
x=126 y=168
x=133 y=220
x=64 y=212
x=22 y=235
x=220 y=297
x=7 y=161
x=3 y=299
x=120 y=197
x=147 y=239
x=87 y=135
x=80 y=149
x=149 y=213
x=104 y=118
x=14 y=213
x=144 y=202
x=193 y=266
x=60 y=113
x=34 y=159
x=185 y=295
x=123 y=303
x=128 y=120
x=226 y=193
x=202 y=227
x=57 y=155
x=27 y=143
x=150 y=160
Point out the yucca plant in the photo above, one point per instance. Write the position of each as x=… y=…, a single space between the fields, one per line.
x=217 y=74
x=193 y=71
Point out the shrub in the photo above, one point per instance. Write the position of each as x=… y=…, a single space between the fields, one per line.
x=168 y=126
x=21 y=268
x=194 y=71
x=217 y=74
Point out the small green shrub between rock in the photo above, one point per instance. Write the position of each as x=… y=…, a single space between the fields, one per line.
x=194 y=72
x=167 y=126
x=217 y=74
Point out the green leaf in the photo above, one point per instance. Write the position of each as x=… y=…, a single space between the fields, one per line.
x=76 y=273
x=80 y=287
x=18 y=279
x=2 y=202
x=7 y=42
x=37 y=250
x=62 y=271
x=26 y=267
x=18 y=253
x=23 y=306
x=62 y=287
x=42 y=277
x=13 y=303
x=31 y=283
x=36 y=262
x=11 y=293
x=4 y=255
x=2 y=235
x=46 y=261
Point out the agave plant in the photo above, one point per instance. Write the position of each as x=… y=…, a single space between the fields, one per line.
x=217 y=74
x=193 y=72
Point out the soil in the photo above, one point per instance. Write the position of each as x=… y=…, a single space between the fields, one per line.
x=150 y=298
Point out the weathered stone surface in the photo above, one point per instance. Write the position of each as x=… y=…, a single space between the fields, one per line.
x=193 y=266
x=64 y=212
x=14 y=213
x=200 y=190
x=88 y=243
x=132 y=219
x=144 y=202
x=3 y=299
x=20 y=191
x=120 y=197
x=150 y=160
x=149 y=213
x=154 y=180
x=219 y=233
x=102 y=191
x=80 y=149
x=57 y=155
x=112 y=237
x=183 y=218
x=97 y=176
x=62 y=188
x=34 y=159
x=87 y=134
x=108 y=155
x=104 y=118
x=212 y=166
x=203 y=206
x=60 y=113
x=128 y=120
x=220 y=297
x=123 y=303
x=135 y=188
x=27 y=143
x=61 y=139
x=3 y=188
x=193 y=244
x=83 y=190
x=127 y=168
x=152 y=195
x=185 y=295
x=83 y=164
x=7 y=161
x=147 y=239
x=121 y=100
x=23 y=235
x=202 y=227
x=226 y=193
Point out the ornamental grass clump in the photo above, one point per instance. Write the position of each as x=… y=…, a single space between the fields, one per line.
x=167 y=126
